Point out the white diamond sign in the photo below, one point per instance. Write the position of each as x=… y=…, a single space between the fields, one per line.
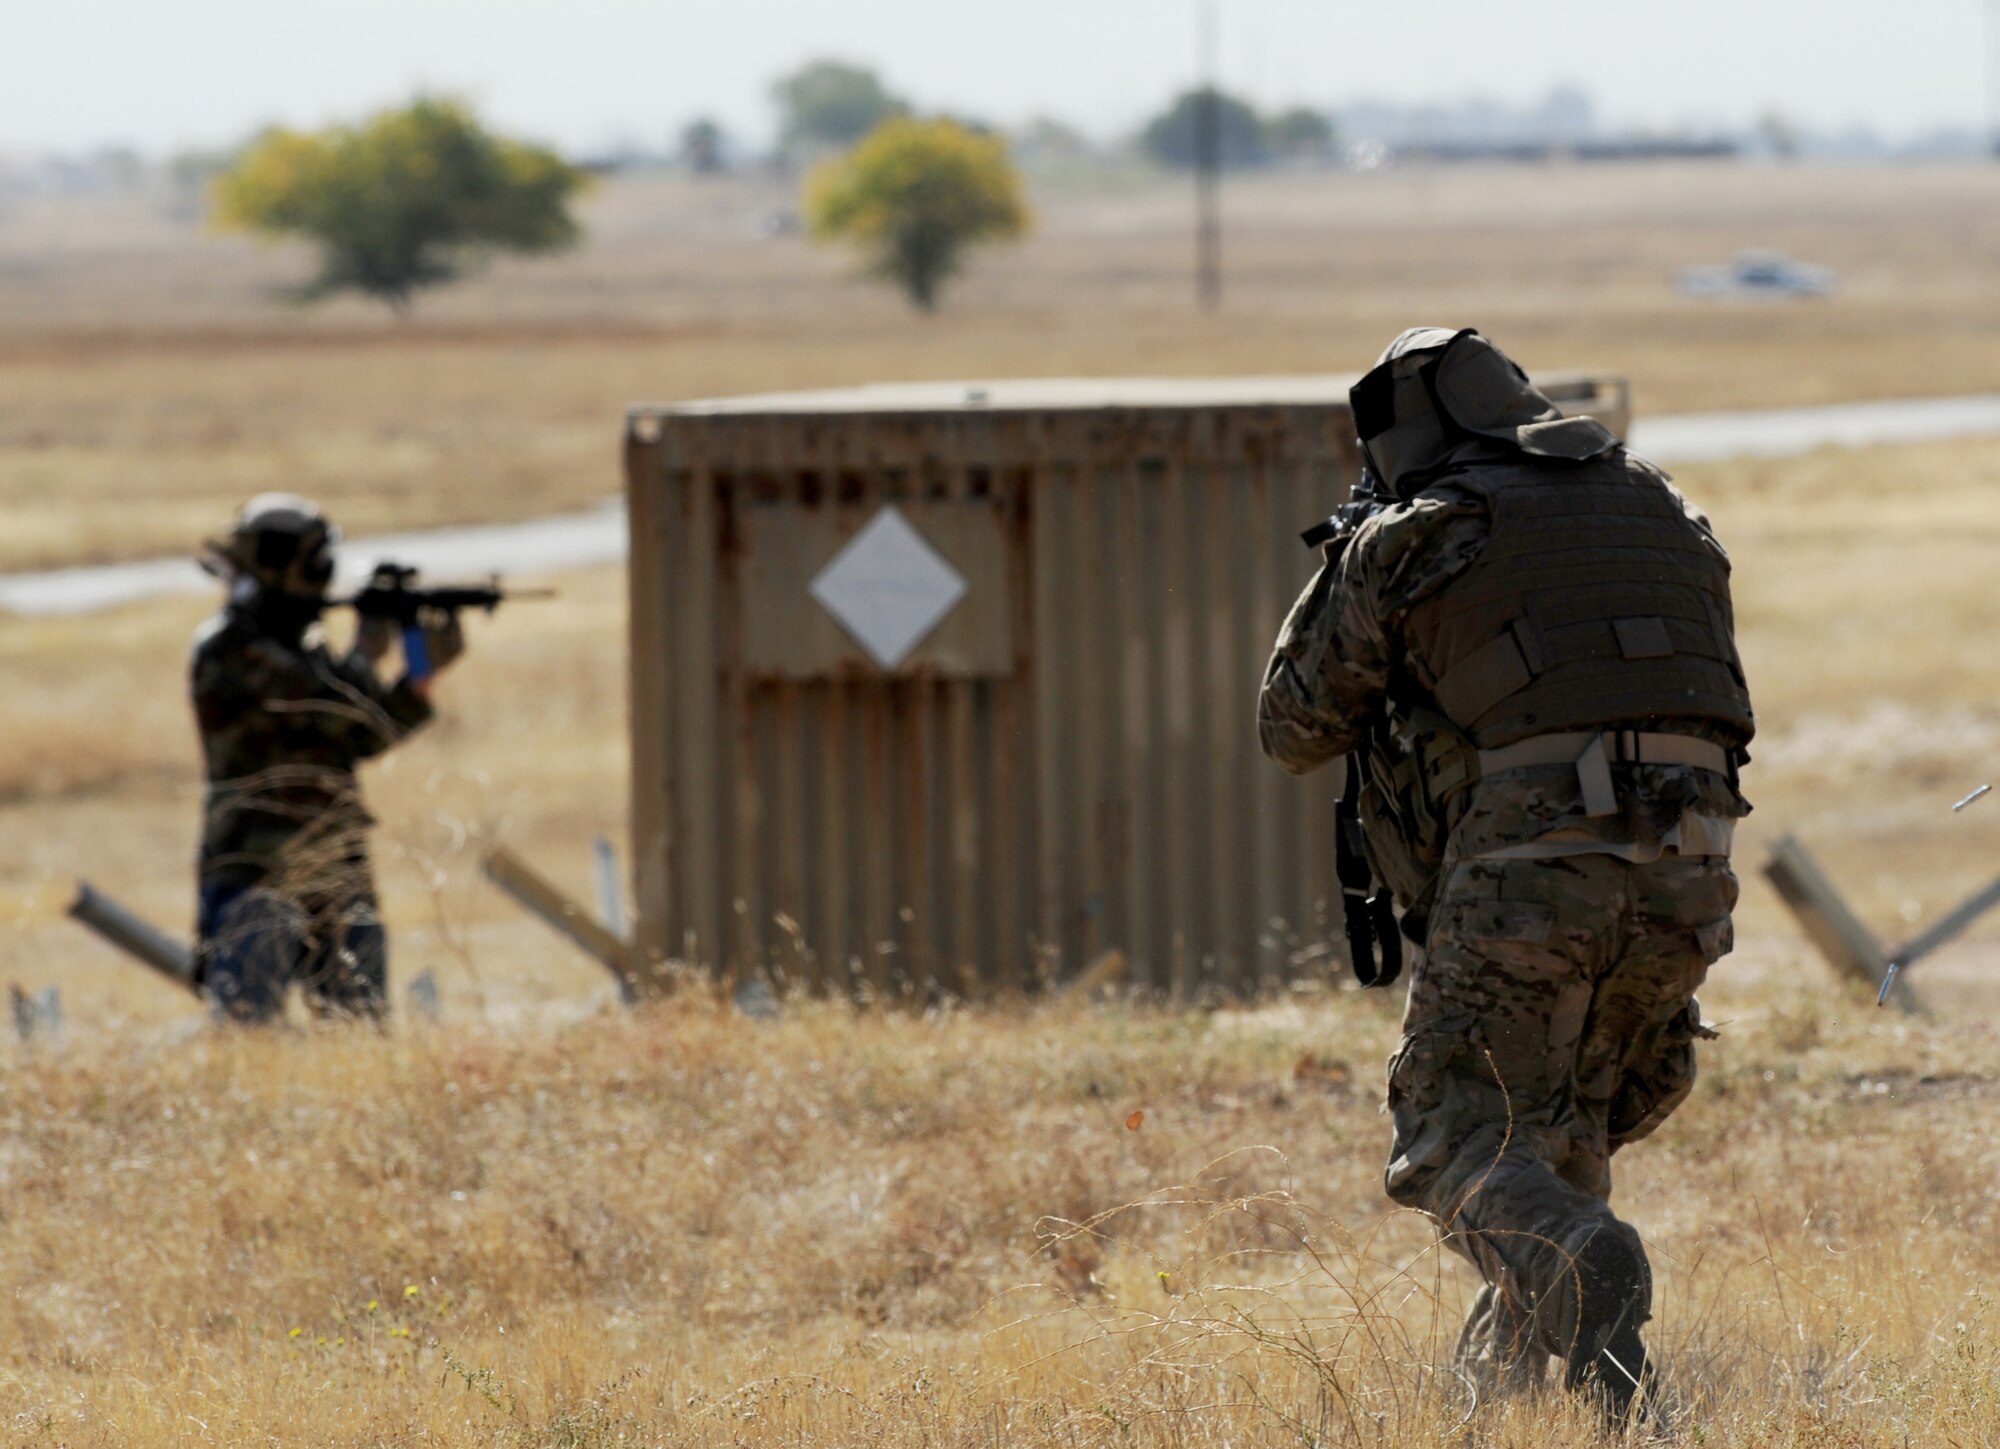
x=888 y=587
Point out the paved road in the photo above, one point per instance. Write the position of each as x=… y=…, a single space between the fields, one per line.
x=581 y=539
x=574 y=540
x=1786 y=432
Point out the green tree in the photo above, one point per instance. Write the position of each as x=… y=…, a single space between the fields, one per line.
x=407 y=199
x=701 y=146
x=1169 y=138
x=1300 y=134
x=915 y=195
x=829 y=103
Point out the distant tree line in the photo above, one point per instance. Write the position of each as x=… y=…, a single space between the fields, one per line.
x=1244 y=138
x=412 y=198
x=827 y=106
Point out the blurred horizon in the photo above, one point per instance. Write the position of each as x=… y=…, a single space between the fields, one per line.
x=602 y=77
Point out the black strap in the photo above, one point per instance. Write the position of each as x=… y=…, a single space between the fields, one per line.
x=1368 y=913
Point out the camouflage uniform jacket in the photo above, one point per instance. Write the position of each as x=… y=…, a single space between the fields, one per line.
x=1341 y=652
x=282 y=728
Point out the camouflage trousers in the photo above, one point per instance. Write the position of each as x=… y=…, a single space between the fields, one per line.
x=1551 y=1021
x=256 y=941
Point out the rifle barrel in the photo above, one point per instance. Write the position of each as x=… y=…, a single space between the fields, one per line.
x=500 y=595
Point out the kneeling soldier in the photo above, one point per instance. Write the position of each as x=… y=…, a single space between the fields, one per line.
x=285 y=890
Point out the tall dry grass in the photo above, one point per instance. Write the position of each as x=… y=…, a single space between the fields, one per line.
x=684 y=1227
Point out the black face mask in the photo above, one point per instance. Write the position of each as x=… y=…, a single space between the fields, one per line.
x=1373 y=402
x=285 y=617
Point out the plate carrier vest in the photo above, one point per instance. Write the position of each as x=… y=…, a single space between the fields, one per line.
x=1596 y=604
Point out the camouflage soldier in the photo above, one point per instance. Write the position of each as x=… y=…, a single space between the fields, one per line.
x=1528 y=656
x=285 y=890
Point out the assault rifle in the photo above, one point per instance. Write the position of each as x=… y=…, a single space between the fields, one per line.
x=1368 y=499
x=1368 y=907
x=392 y=593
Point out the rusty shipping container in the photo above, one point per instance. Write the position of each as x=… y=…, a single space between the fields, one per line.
x=953 y=685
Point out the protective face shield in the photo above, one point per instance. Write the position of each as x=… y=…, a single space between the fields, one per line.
x=283 y=543
x=1433 y=392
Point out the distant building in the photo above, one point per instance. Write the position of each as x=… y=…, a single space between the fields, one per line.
x=1562 y=125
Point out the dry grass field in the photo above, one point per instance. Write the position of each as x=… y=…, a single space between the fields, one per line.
x=147 y=371
x=545 y=1221
x=683 y=1228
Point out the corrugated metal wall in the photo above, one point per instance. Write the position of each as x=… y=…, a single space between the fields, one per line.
x=1067 y=766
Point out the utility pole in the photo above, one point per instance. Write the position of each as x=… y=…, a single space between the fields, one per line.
x=1993 y=79
x=1207 y=166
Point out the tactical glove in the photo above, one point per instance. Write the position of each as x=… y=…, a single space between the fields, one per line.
x=375 y=635
x=444 y=638
x=374 y=638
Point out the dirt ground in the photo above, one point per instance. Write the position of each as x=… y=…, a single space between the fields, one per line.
x=548 y=1221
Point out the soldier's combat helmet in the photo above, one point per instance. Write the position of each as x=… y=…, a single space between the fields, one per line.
x=282 y=542
x=1438 y=398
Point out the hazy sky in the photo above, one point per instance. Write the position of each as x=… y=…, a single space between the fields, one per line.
x=163 y=74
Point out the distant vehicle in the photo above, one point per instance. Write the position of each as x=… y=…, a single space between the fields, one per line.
x=1757 y=274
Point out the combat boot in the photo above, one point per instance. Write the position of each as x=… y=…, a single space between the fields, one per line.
x=1607 y=1296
